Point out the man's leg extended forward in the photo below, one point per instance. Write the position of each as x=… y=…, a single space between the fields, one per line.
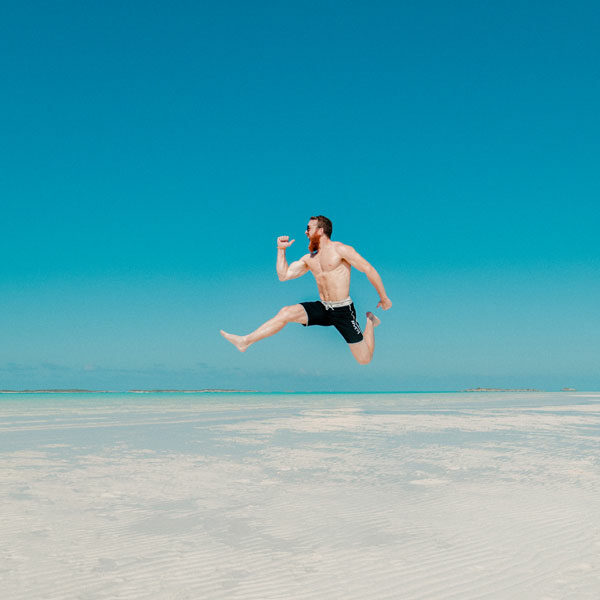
x=288 y=314
x=363 y=350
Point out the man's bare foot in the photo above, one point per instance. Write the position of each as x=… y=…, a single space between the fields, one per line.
x=373 y=319
x=239 y=341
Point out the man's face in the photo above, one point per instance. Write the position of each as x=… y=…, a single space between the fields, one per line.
x=313 y=233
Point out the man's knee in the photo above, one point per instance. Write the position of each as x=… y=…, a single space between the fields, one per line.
x=361 y=353
x=294 y=313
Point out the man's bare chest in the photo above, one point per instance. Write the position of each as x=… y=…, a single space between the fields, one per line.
x=321 y=264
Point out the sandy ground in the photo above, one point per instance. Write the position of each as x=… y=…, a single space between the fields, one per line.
x=294 y=497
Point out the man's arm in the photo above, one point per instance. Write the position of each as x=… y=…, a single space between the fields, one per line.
x=349 y=254
x=285 y=271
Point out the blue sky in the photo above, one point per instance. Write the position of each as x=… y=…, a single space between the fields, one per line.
x=152 y=153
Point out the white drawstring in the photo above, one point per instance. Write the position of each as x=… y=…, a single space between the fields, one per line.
x=337 y=304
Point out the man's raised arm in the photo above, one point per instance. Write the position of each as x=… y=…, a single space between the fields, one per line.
x=349 y=254
x=285 y=271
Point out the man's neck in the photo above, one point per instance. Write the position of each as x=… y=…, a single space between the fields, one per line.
x=323 y=243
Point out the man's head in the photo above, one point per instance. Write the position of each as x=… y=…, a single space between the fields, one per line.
x=318 y=227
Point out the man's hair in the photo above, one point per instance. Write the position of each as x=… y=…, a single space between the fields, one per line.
x=325 y=223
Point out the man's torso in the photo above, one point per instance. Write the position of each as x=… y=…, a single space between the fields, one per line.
x=331 y=272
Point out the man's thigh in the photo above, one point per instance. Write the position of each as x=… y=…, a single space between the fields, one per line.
x=297 y=314
x=315 y=314
x=344 y=320
x=360 y=351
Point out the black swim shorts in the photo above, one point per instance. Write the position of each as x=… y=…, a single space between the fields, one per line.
x=343 y=318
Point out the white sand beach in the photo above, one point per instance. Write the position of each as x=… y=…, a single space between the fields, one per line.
x=223 y=496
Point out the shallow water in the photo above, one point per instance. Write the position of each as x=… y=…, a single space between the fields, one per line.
x=412 y=495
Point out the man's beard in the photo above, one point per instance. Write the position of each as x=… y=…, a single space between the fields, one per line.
x=313 y=244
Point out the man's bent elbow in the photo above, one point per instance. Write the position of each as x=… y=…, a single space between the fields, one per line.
x=370 y=272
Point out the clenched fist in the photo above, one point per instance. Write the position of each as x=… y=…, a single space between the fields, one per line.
x=283 y=242
x=384 y=303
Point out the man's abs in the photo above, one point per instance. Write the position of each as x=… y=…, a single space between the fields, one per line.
x=333 y=285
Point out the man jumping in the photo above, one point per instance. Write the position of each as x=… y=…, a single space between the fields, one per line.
x=330 y=263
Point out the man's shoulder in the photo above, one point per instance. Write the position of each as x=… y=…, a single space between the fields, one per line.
x=338 y=245
x=341 y=248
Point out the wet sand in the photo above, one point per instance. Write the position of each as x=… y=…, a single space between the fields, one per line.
x=411 y=496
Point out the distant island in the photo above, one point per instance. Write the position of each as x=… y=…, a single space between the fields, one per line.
x=480 y=389
x=203 y=391
x=77 y=391
x=52 y=391
x=568 y=390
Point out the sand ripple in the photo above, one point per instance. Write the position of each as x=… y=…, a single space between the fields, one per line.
x=301 y=502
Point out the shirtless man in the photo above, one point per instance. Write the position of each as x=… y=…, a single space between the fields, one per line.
x=330 y=263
